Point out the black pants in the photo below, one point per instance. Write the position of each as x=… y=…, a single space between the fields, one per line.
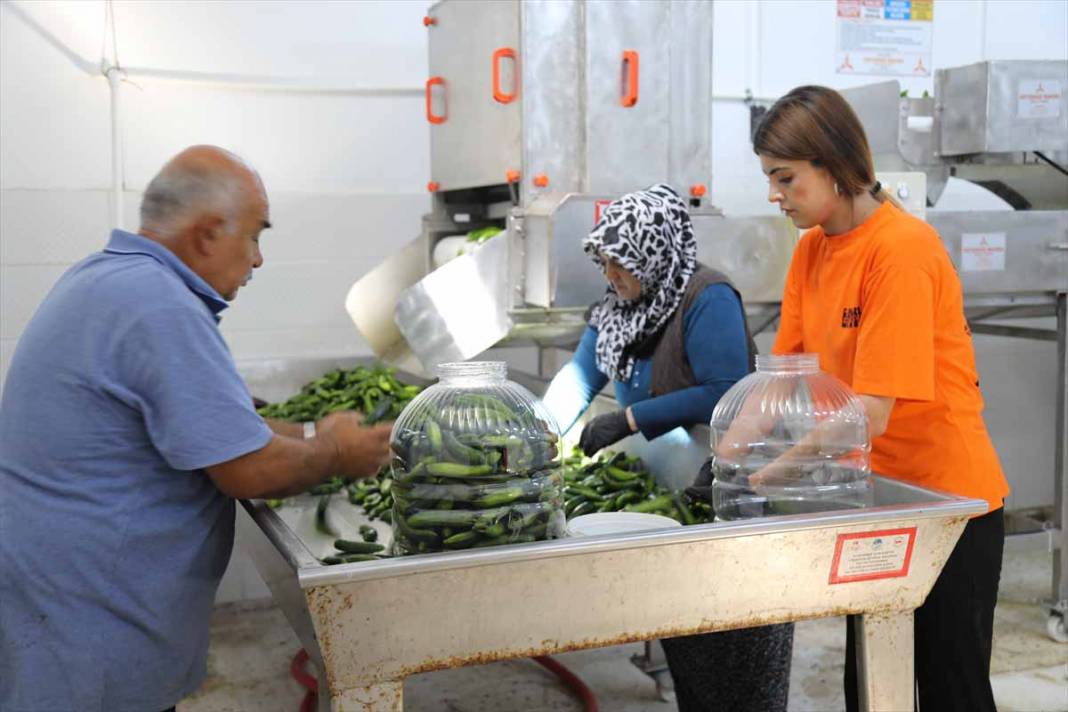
x=744 y=670
x=954 y=627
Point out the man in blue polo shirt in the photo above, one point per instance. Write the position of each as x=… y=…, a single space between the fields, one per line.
x=125 y=435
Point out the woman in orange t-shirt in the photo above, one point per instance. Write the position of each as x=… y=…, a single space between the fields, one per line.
x=872 y=290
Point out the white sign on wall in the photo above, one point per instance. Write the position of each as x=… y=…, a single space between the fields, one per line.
x=885 y=37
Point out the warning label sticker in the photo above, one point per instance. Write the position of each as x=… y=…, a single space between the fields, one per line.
x=866 y=556
x=1038 y=99
x=598 y=206
x=982 y=252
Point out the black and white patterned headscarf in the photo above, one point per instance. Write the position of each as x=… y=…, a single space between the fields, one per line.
x=650 y=235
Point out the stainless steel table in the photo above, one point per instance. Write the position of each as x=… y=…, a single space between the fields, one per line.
x=369 y=625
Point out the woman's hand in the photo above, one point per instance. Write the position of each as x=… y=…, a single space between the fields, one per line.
x=826 y=437
x=604 y=430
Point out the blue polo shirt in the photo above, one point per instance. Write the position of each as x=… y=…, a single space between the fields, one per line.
x=112 y=537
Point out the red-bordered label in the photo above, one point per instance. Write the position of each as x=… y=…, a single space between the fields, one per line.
x=866 y=556
x=599 y=205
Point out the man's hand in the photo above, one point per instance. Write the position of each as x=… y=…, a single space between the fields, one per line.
x=360 y=450
x=604 y=430
x=291 y=465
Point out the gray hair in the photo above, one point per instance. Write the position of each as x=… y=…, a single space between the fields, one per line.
x=180 y=193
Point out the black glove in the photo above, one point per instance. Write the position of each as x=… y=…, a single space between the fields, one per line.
x=701 y=489
x=604 y=430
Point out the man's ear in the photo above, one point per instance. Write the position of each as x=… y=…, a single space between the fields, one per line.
x=208 y=234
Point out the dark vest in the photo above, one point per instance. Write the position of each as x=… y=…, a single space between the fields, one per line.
x=671 y=366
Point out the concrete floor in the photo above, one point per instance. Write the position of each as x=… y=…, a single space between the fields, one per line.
x=252 y=646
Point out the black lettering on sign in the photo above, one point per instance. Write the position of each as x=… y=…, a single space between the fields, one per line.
x=851 y=317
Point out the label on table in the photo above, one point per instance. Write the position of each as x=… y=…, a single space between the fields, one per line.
x=866 y=556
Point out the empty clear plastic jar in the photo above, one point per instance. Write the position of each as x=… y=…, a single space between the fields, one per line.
x=476 y=463
x=789 y=439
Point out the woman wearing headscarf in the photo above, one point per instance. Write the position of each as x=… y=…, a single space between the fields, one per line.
x=671 y=335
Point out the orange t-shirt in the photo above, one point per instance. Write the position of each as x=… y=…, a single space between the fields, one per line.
x=883 y=307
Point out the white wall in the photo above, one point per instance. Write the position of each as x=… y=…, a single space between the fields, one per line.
x=346 y=171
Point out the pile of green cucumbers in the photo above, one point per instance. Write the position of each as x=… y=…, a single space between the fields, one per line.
x=613 y=482
x=373 y=391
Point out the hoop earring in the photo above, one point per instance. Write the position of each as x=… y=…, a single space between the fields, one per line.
x=836 y=191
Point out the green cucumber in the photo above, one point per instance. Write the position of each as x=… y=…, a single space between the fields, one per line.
x=357 y=547
x=662 y=503
x=451 y=469
x=348 y=559
x=461 y=540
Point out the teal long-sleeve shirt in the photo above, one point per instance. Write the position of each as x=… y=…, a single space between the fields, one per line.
x=716 y=347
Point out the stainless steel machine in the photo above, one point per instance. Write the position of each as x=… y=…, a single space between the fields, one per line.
x=539 y=114
x=1002 y=125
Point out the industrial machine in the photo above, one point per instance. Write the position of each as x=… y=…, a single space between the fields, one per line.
x=1002 y=125
x=540 y=113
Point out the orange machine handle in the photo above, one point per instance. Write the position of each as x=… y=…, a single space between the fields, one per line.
x=430 y=115
x=630 y=78
x=499 y=95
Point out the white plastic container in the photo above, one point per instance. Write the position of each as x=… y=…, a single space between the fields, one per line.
x=602 y=523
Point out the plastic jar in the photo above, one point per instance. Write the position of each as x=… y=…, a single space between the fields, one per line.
x=789 y=439
x=476 y=463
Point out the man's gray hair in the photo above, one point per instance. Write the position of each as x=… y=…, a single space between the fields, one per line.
x=180 y=193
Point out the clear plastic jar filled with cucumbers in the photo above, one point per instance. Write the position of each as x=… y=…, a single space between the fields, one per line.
x=476 y=462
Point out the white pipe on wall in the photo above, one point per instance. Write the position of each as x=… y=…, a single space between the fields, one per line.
x=118 y=214
x=754 y=29
x=982 y=30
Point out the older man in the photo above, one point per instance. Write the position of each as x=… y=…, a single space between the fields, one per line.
x=125 y=434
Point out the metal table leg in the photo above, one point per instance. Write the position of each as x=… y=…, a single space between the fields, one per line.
x=1057 y=625
x=653 y=663
x=381 y=697
x=885 y=668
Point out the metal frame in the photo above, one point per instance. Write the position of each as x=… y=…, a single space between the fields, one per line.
x=367 y=626
x=1055 y=529
x=1059 y=608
